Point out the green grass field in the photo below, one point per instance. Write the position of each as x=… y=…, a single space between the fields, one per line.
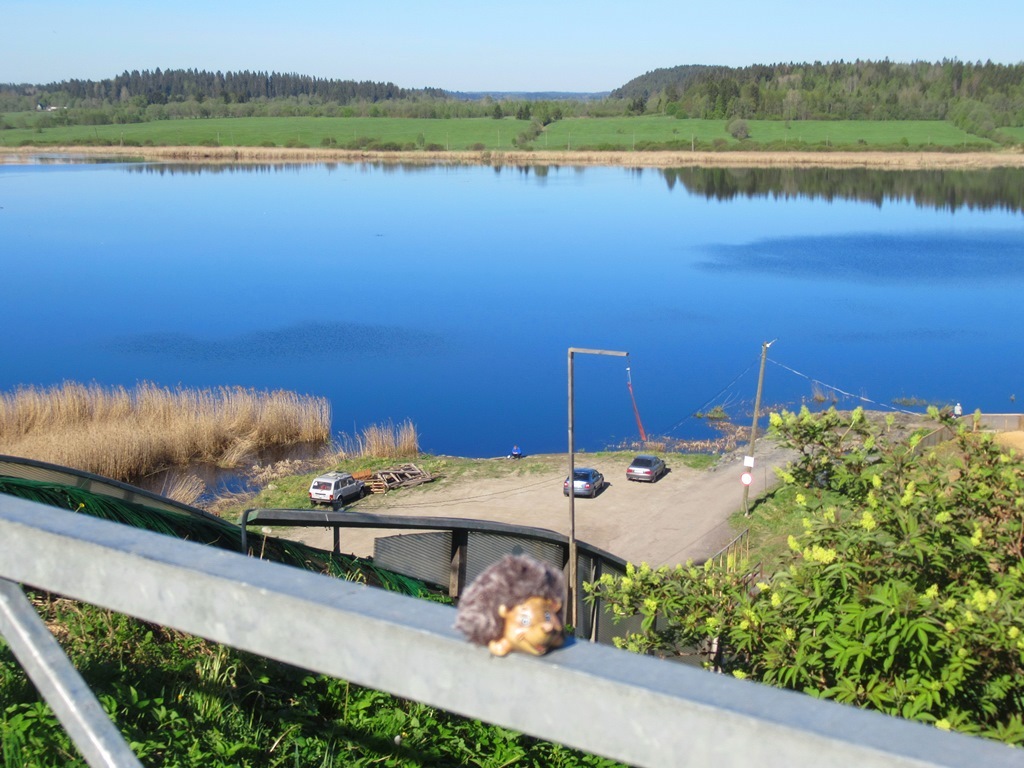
x=1017 y=134
x=870 y=132
x=623 y=133
x=629 y=132
x=414 y=133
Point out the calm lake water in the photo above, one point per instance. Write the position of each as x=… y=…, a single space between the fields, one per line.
x=450 y=295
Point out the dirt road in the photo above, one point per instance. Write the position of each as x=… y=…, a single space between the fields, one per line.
x=682 y=516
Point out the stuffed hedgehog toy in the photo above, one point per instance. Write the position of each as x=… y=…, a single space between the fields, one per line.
x=514 y=605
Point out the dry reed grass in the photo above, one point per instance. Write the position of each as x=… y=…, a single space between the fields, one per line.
x=821 y=393
x=730 y=438
x=126 y=434
x=386 y=441
x=383 y=441
x=661 y=159
x=186 y=488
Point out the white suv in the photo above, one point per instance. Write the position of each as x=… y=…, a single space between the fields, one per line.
x=335 y=488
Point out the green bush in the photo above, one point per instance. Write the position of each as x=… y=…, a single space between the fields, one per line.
x=903 y=593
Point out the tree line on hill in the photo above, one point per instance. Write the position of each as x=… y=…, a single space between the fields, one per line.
x=979 y=98
x=976 y=97
x=134 y=97
x=166 y=86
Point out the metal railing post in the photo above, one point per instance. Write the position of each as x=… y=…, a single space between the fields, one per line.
x=59 y=683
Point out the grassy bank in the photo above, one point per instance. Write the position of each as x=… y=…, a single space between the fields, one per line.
x=126 y=434
x=624 y=133
x=326 y=132
x=654 y=132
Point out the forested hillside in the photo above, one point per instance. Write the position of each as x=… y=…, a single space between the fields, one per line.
x=161 y=87
x=134 y=97
x=977 y=97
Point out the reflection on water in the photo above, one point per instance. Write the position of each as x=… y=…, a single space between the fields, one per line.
x=259 y=167
x=43 y=158
x=949 y=190
x=324 y=341
x=923 y=259
x=448 y=295
x=994 y=189
x=202 y=483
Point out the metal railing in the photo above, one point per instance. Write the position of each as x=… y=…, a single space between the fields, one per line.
x=460 y=549
x=636 y=709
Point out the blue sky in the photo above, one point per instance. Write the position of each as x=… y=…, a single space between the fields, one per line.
x=471 y=45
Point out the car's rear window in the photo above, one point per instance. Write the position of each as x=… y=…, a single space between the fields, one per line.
x=642 y=462
x=320 y=485
x=581 y=475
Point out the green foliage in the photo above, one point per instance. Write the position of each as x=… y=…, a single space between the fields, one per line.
x=718 y=413
x=979 y=97
x=903 y=593
x=738 y=129
x=182 y=701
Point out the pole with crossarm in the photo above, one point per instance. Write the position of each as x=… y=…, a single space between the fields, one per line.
x=571 y=612
x=753 y=427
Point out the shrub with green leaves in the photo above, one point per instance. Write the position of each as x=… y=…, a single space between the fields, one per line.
x=903 y=592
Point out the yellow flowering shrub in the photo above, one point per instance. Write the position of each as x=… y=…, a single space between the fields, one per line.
x=901 y=591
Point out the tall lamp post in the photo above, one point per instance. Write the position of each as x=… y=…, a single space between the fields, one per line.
x=753 y=427
x=571 y=596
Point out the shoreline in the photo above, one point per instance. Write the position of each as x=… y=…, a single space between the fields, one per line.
x=874 y=160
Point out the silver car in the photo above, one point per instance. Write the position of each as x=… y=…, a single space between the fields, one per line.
x=646 y=468
x=586 y=482
x=335 y=489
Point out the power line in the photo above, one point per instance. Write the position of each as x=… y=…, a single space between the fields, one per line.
x=713 y=398
x=842 y=391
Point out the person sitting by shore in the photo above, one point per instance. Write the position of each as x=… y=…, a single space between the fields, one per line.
x=516 y=453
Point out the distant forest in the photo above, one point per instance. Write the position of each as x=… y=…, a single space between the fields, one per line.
x=161 y=87
x=976 y=97
x=133 y=97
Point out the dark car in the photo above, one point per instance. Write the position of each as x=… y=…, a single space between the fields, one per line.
x=586 y=482
x=646 y=468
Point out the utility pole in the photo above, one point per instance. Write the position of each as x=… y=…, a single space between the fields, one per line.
x=570 y=597
x=749 y=460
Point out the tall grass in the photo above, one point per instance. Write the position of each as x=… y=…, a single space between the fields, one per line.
x=126 y=434
x=383 y=441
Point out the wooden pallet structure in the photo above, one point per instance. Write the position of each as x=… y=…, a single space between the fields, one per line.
x=404 y=476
